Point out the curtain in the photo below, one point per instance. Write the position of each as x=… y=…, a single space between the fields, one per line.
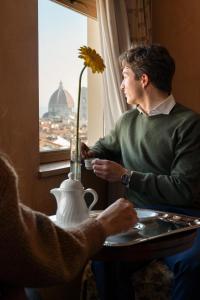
x=140 y=20
x=121 y=22
x=115 y=38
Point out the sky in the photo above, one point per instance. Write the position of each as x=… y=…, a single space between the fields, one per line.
x=61 y=33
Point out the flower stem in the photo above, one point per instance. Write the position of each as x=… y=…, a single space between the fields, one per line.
x=77 y=124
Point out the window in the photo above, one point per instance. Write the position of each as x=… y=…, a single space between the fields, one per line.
x=61 y=32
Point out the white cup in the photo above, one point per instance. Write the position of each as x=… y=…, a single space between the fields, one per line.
x=88 y=163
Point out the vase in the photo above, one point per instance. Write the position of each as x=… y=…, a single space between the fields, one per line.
x=75 y=158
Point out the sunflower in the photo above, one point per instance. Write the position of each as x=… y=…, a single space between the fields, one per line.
x=94 y=61
x=91 y=59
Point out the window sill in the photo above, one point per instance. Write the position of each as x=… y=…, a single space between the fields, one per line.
x=54 y=168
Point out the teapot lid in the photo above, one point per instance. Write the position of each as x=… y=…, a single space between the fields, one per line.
x=71 y=184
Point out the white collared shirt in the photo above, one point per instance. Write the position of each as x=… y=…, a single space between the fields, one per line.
x=163 y=108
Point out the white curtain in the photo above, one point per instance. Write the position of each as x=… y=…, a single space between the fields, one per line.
x=115 y=38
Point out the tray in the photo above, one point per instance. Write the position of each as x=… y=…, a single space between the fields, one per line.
x=152 y=224
x=158 y=225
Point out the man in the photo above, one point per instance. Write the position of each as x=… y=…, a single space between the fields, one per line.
x=154 y=151
x=35 y=252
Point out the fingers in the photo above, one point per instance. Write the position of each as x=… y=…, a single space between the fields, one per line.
x=126 y=205
x=102 y=161
x=86 y=152
x=107 y=169
x=101 y=166
x=118 y=217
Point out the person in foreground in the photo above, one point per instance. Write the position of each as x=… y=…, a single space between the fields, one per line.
x=35 y=252
x=153 y=151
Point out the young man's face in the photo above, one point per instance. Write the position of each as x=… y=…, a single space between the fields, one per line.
x=132 y=88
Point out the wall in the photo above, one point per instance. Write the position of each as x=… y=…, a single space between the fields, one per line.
x=19 y=137
x=19 y=112
x=19 y=92
x=176 y=25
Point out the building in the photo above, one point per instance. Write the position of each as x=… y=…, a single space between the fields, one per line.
x=61 y=104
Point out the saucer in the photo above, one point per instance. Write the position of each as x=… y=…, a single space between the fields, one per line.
x=145 y=215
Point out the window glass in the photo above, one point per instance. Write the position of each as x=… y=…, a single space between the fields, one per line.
x=61 y=33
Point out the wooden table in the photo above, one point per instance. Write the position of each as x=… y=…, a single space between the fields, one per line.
x=148 y=250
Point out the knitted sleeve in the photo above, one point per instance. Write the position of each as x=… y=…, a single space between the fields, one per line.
x=34 y=251
x=108 y=147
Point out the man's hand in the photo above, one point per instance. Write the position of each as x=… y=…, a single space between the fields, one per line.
x=86 y=152
x=118 y=217
x=108 y=170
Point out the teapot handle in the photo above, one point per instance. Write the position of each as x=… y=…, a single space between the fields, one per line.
x=94 y=193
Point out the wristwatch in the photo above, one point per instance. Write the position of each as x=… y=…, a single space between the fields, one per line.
x=126 y=177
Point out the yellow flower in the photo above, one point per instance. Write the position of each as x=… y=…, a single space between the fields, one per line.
x=92 y=59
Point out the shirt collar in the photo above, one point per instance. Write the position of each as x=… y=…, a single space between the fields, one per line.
x=162 y=108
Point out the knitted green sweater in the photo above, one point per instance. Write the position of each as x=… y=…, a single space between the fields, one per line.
x=163 y=151
x=34 y=251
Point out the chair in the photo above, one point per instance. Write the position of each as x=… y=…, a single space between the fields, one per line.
x=150 y=282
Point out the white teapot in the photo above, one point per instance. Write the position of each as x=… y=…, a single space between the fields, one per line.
x=71 y=205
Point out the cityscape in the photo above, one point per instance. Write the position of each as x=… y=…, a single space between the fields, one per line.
x=57 y=125
x=58 y=60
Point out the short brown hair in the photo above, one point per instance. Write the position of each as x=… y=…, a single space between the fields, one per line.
x=153 y=60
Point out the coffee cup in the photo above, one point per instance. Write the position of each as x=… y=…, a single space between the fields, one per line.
x=88 y=163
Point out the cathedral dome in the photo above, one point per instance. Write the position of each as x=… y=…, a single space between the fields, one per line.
x=61 y=103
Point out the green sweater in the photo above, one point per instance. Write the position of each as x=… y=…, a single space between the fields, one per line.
x=163 y=151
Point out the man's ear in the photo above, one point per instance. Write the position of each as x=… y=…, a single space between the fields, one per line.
x=144 y=79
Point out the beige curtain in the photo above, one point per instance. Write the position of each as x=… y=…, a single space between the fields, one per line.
x=140 y=20
x=121 y=23
x=115 y=38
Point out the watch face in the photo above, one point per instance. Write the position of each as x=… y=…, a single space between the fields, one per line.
x=125 y=179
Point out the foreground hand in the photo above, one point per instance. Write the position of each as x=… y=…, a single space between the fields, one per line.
x=86 y=152
x=108 y=170
x=118 y=217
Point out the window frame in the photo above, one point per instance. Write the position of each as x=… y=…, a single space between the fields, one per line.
x=52 y=156
x=85 y=7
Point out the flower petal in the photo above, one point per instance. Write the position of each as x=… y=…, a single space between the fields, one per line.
x=91 y=59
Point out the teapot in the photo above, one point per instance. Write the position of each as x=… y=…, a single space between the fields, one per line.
x=71 y=205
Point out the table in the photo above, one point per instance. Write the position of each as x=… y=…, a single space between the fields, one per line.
x=148 y=250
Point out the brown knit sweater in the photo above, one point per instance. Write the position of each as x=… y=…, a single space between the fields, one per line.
x=33 y=250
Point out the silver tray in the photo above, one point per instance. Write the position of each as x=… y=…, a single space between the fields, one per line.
x=153 y=224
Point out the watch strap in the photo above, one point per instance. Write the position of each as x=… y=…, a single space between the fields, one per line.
x=126 y=177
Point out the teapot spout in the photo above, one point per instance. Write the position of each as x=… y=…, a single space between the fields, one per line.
x=57 y=193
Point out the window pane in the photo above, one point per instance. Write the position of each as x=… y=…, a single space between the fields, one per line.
x=61 y=33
